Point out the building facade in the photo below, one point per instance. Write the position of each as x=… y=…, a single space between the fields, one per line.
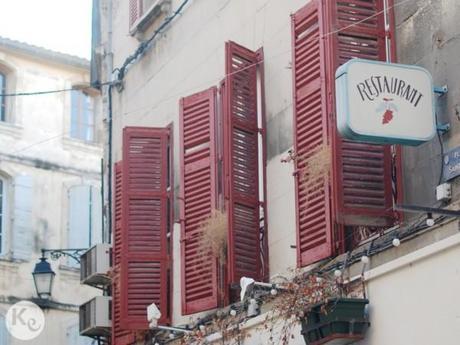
x=226 y=163
x=50 y=181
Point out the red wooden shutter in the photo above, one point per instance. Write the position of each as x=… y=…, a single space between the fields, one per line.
x=135 y=11
x=363 y=171
x=314 y=227
x=119 y=336
x=144 y=264
x=198 y=199
x=241 y=163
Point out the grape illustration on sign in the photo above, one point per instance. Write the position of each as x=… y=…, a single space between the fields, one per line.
x=378 y=102
x=388 y=108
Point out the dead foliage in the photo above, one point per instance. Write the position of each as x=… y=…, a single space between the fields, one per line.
x=315 y=167
x=214 y=235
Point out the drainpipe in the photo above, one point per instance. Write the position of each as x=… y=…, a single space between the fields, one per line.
x=387 y=30
x=109 y=72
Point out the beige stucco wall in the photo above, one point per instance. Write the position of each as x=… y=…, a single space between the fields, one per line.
x=35 y=142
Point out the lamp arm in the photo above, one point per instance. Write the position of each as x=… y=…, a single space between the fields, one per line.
x=55 y=254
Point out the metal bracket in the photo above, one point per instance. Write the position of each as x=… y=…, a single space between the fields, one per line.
x=440 y=90
x=424 y=209
x=443 y=128
x=73 y=253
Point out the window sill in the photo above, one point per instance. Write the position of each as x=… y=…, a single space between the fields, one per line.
x=90 y=147
x=10 y=129
x=155 y=11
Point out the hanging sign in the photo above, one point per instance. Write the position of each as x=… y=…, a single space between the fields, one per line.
x=385 y=103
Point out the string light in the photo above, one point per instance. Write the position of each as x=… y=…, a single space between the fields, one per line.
x=429 y=220
x=338 y=273
x=365 y=259
x=273 y=292
x=396 y=242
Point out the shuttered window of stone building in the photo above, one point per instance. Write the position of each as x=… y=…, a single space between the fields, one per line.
x=355 y=190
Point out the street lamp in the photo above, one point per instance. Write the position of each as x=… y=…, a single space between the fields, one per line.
x=43 y=274
x=43 y=278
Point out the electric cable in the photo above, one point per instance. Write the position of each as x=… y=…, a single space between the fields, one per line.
x=143 y=46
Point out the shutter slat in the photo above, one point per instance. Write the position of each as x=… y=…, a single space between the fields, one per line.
x=241 y=163
x=144 y=255
x=79 y=219
x=120 y=336
x=199 y=198
x=23 y=223
x=135 y=11
x=314 y=223
x=363 y=171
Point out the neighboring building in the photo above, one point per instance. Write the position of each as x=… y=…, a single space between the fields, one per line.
x=50 y=181
x=225 y=107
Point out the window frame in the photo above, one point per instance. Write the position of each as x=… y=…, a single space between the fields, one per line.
x=3 y=88
x=3 y=213
x=83 y=116
x=146 y=15
x=92 y=205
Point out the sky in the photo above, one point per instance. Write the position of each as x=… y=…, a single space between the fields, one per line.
x=60 y=25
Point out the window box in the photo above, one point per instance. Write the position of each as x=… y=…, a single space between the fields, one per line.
x=336 y=321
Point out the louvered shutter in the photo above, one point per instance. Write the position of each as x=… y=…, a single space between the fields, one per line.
x=135 y=11
x=22 y=222
x=96 y=216
x=144 y=257
x=241 y=163
x=363 y=171
x=198 y=199
x=119 y=335
x=314 y=226
x=79 y=226
x=4 y=334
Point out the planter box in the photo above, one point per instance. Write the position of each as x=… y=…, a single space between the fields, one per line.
x=337 y=321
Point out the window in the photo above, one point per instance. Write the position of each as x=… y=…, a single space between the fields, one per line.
x=352 y=193
x=142 y=229
x=4 y=337
x=2 y=98
x=85 y=227
x=239 y=175
x=2 y=214
x=82 y=124
x=144 y=12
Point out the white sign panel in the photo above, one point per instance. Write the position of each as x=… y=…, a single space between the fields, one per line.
x=385 y=103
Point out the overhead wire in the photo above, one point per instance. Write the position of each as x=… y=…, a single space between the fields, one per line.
x=144 y=46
